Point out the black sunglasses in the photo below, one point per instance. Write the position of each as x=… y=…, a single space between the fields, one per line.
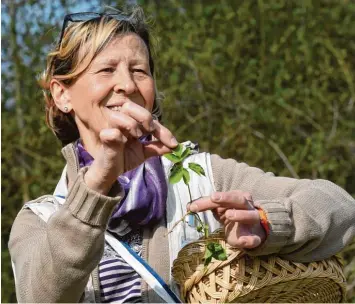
x=87 y=16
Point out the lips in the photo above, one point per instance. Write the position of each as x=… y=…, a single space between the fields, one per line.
x=116 y=105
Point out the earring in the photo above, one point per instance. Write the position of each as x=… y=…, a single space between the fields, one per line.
x=66 y=109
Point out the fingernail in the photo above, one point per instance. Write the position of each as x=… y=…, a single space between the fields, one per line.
x=139 y=133
x=174 y=141
x=216 y=197
x=193 y=207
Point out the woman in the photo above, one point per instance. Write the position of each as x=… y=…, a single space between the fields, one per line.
x=101 y=103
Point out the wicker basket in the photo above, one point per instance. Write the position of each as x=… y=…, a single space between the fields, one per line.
x=245 y=279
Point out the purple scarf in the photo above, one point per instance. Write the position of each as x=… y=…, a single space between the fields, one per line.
x=145 y=193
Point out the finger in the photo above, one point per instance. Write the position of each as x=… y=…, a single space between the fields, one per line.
x=249 y=242
x=139 y=114
x=233 y=199
x=243 y=216
x=126 y=124
x=112 y=137
x=164 y=135
x=240 y=237
x=203 y=204
x=113 y=142
x=154 y=148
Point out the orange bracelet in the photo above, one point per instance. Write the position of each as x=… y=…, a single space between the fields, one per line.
x=263 y=220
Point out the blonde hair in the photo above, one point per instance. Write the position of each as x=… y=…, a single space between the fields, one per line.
x=81 y=43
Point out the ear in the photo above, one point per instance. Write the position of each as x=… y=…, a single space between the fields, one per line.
x=60 y=95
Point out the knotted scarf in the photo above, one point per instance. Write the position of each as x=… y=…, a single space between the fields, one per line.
x=145 y=197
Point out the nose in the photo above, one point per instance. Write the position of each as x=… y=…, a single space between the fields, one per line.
x=124 y=83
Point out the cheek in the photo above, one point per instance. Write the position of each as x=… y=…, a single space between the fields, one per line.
x=148 y=93
x=87 y=94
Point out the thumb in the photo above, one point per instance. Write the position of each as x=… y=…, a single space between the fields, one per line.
x=113 y=141
x=250 y=241
x=155 y=148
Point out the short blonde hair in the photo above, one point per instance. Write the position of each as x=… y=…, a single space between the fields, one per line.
x=81 y=43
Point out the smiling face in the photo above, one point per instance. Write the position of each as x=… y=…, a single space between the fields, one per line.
x=119 y=73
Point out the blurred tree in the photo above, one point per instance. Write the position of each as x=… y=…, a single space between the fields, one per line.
x=270 y=83
x=31 y=160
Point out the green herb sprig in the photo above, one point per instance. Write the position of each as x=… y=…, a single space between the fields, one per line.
x=178 y=172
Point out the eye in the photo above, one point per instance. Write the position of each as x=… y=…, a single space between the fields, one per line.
x=139 y=71
x=107 y=70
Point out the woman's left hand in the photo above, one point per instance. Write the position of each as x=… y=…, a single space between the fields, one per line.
x=236 y=212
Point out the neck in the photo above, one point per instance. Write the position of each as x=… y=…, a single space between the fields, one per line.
x=90 y=142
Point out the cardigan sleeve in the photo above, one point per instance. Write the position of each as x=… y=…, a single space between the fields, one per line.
x=53 y=260
x=309 y=219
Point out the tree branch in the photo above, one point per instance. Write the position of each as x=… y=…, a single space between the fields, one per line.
x=278 y=151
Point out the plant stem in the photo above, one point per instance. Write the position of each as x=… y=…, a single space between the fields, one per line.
x=180 y=220
x=206 y=231
x=205 y=227
x=188 y=187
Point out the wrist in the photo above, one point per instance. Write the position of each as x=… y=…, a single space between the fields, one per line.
x=88 y=205
x=264 y=224
x=101 y=183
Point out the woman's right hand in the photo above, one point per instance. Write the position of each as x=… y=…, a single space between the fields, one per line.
x=121 y=150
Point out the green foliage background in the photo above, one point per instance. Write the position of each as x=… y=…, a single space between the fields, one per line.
x=269 y=83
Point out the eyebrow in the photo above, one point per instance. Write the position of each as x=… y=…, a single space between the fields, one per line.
x=112 y=61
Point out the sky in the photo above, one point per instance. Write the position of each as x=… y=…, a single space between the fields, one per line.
x=85 y=5
x=80 y=6
x=32 y=11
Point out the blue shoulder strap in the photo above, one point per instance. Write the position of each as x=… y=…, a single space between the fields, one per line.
x=134 y=260
x=143 y=269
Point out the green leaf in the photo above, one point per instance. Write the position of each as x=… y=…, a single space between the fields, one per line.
x=173 y=158
x=186 y=153
x=218 y=247
x=186 y=176
x=210 y=246
x=208 y=253
x=176 y=173
x=197 y=168
x=221 y=256
x=199 y=228
x=207 y=261
x=178 y=150
x=216 y=251
x=208 y=256
x=176 y=155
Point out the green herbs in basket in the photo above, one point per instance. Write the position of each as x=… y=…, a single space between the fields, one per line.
x=178 y=172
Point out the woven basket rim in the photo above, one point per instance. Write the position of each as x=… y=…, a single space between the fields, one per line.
x=330 y=268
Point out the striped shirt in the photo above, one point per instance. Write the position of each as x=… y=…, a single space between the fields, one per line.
x=119 y=282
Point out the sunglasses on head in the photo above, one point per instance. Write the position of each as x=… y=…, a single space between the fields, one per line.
x=87 y=16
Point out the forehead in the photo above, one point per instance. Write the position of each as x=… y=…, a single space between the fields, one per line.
x=124 y=46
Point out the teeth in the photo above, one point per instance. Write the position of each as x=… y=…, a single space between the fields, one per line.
x=115 y=108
